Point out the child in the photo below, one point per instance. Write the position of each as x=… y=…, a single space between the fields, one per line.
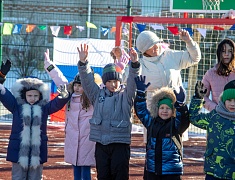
x=29 y=103
x=78 y=149
x=216 y=77
x=110 y=123
x=164 y=127
x=220 y=125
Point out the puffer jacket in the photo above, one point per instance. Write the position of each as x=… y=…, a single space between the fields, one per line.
x=110 y=122
x=220 y=150
x=215 y=86
x=78 y=149
x=28 y=140
x=164 y=137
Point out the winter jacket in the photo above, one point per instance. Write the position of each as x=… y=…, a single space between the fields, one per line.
x=110 y=122
x=214 y=85
x=28 y=140
x=78 y=149
x=220 y=150
x=164 y=137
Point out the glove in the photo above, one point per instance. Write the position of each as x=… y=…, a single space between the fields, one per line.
x=199 y=92
x=5 y=67
x=180 y=95
x=48 y=64
x=140 y=84
x=63 y=93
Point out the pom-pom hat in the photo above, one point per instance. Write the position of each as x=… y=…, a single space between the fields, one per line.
x=111 y=72
x=146 y=40
x=229 y=91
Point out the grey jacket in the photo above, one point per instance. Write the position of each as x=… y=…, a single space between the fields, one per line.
x=110 y=122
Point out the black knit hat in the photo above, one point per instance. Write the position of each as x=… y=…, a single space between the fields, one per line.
x=229 y=91
x=77 y=79
x=110 y=73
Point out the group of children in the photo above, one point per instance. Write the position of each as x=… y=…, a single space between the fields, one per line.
x=98 y=126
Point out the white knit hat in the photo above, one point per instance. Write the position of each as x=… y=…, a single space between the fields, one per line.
x=145 y=40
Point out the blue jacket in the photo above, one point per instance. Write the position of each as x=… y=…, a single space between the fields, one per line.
x=164 y=138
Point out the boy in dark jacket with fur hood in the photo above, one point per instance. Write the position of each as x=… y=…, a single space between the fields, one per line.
x=29 y=103
x=165 y=123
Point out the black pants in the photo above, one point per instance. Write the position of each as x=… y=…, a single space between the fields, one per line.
x=210 y=177
x=153 y=176
x=112 y=161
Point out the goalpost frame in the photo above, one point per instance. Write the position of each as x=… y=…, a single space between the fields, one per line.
x=166 y=20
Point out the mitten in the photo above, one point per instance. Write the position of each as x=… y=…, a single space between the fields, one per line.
x=5 y=67
x=180 y=95
x=199 y=90
x=48 y=64
x=63 y=93
x=140 y=84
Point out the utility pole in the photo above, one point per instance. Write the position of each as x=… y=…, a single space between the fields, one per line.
x=129 y=3
x=1 y=27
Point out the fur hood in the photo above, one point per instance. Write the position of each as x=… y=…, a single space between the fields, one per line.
x=164 y=92
x=22 y=85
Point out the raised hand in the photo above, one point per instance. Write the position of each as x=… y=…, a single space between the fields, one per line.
x=62 y=90
x=5 y=67
x=184 y=35
x=133 y=55
x=140 y=84
x=180 y=95
x=83 y=52
x=199 y=90
x=46 y=56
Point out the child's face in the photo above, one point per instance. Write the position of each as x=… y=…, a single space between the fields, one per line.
x=165 y=112
x=230 y=105
x=154 y=51
x=227 y=53
x=32 y=96
x=112 y=85
x=77 y=88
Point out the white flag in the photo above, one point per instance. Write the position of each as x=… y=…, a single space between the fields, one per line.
x=55 y=30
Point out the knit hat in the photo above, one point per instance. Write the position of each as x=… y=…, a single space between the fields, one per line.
x=77 y=79
x=166 y=101
x=229 y=91
x=145 y=40
x=110 y=72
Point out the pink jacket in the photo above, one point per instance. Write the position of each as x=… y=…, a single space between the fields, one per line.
x=215 y=85
x=78 y=149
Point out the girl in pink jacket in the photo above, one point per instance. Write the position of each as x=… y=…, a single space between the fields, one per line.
x=218 y=76
x=78 y=150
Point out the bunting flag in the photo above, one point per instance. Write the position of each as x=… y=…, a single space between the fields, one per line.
x=173 y=29
x=7 y=28
x=42 y=27
x=55 y=30
x=67 y=30
x=81 y=28
x=218 y=28
x=202 y=31
x=17 y=29
x=104 y=31
x=156 y=26
x=90 y=25
x=30 y=28
x=190 y=31
x=113 y=29
x=141 y=27
x=232 y=27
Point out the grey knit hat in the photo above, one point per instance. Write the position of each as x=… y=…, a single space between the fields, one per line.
x=145 y=40
x=110 y=73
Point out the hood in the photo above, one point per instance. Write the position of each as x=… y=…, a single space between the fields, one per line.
x=164 y=92
x=22 y=85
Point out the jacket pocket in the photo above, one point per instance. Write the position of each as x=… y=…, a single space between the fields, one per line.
x=120 y=126
x=95 y=121
x=208 y=152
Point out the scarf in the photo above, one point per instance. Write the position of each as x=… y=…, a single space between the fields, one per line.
x=222 y=111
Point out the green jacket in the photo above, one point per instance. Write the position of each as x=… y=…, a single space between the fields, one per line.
x=220 y=149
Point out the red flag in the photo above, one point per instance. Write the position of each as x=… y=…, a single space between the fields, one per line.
x=67 y=30
x=218 y=28
x=173 y=29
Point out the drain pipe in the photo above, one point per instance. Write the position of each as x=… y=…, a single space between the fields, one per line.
x=89 y=18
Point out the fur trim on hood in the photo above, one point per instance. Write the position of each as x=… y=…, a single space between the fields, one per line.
x=164 y=92
x=22 y=85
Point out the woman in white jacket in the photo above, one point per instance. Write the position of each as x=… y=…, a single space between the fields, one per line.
x=78 y=149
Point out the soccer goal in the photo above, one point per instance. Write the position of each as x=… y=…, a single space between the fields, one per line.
x=206 y=31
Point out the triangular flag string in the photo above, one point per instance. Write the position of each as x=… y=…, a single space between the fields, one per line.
x=141 y=27
x=90 y=25
x=55 y=30
x=173 y=29
x=202 y=31
x=7 y=28
x=30 y=28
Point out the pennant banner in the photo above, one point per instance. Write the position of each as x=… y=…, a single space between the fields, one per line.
x=81 y=28
x=30 y=28
x=7 y=28
x=156 y=26
x=202 y=31
x=17 y=29
x=90 y=25
x=141 y=27
x=190 y=31
x=173 y=29
x=67 y=30
x=55 y=30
